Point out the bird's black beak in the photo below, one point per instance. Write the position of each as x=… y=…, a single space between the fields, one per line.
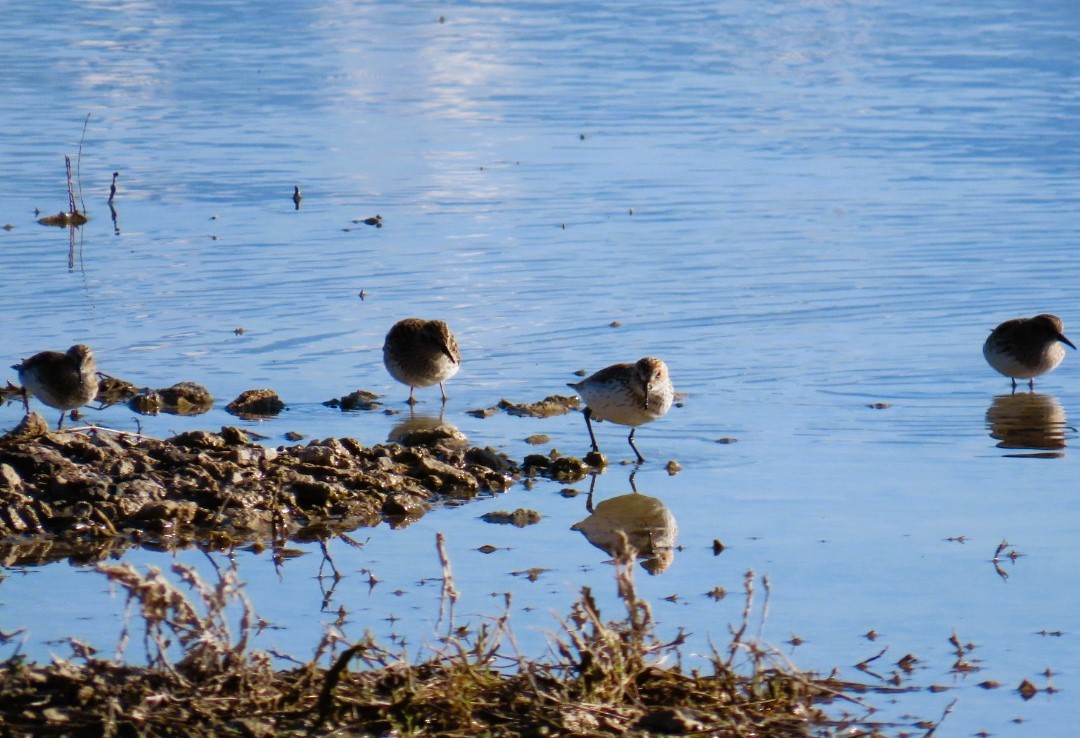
x=1061 y=337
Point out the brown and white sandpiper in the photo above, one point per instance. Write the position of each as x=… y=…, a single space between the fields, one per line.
x=626 y=394
x=1025 y=348
x=420 y=353
x=64 y=381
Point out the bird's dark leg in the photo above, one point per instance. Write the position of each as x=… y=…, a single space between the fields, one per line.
x=26 y=400
x=1013 y=380
x=1031 y=384
x=412 y=400
x=630 y=438
x=60 y=425
x=588 y=424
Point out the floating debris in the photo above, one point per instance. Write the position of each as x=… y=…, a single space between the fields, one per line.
x=520 y=518
x=375 y=220
x=64 y=220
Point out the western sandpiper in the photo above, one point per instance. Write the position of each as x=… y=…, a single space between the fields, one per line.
x=63 y=381
x=420 y=353
x=1024 y=348
x=627 y=394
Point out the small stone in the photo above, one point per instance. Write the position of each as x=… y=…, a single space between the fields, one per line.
x=256 y=403
x=596 y=460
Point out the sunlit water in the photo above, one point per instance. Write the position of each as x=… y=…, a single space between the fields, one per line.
x=805 y=209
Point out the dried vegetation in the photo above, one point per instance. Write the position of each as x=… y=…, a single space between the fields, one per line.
x=599 y=678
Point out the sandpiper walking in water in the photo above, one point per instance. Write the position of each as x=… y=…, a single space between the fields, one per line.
x=627 y=394
x=1025 y=348
x=63 y=381
x=420 y=353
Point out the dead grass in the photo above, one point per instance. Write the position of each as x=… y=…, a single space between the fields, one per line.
x=599 y=678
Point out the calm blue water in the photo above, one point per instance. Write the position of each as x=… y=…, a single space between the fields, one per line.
x=804 y=208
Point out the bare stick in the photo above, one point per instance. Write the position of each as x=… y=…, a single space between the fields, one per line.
x=71 y=188
x=78 y=161
x=449 y=591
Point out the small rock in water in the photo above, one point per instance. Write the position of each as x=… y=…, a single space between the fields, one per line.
x=256 y=403
x=596 y=459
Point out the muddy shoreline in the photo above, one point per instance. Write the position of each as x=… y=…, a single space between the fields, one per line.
x=89 y=493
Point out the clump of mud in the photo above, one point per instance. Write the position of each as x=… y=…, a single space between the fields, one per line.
x=85 y=494
x=256 y=403
x=549 y=407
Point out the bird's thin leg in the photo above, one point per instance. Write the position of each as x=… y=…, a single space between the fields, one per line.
x=443 y=390
x=588 y=424
x=26 y=400
x=1031 y=384
x=1013 y=380
x=412 y=400
x=630 y=438
x=60 y=425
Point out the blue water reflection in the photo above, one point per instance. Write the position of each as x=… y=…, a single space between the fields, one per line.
x=813 y=212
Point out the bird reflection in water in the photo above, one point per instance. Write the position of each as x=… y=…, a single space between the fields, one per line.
x=635 y=521
x=416 y=423
x=1028 y=420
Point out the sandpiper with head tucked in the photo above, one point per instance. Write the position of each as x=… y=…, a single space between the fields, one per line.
x=63 y=381
x=420 y=353
x=1024 y=348
x=626 y=394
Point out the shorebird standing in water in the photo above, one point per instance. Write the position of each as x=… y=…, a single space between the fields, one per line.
x=1025 y=348
x=63 y=381
x=626 y=394
x=420 y=353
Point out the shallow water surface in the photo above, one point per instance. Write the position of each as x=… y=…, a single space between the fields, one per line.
x=814 y=212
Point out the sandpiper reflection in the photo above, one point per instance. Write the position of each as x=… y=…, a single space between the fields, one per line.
x=643 y=523
x=432 y=426
x=1028 y=420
